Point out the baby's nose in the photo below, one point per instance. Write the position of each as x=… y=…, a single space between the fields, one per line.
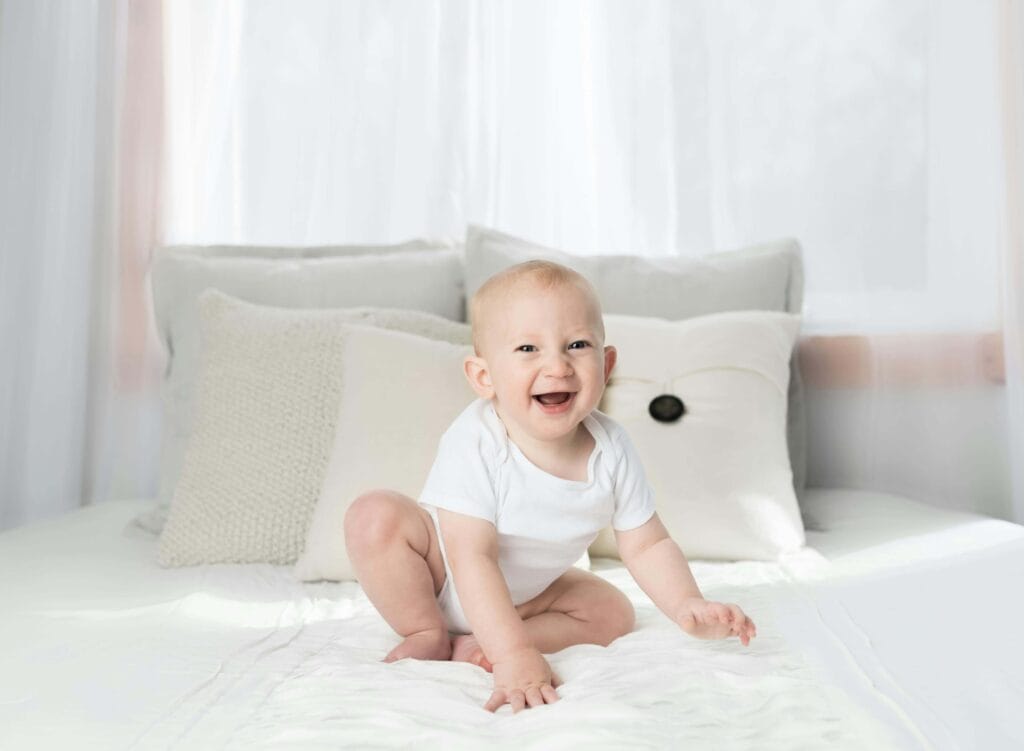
x=559 y=365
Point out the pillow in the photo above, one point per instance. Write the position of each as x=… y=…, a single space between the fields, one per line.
x=713 y=445
x=269 y=388
x=386 y=433
x=760 y=277
x=419 y=275
x=402 y=392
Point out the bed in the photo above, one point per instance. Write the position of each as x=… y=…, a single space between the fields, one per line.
x=223 y=613
x=894 y=627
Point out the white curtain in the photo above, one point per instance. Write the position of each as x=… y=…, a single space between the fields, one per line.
x=871 y=131
x=876 y=132
x=1011 y=58
x=56 y=220
x=658 y=128
x=79 y=371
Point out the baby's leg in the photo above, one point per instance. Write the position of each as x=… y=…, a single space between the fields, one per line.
x=391 y=545
x=577 y=608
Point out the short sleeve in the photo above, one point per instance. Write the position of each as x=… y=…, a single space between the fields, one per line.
x=461 y=478
x=634 y=496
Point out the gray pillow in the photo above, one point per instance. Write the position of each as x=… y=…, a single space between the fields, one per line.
x=421 y=275
x=760 y=277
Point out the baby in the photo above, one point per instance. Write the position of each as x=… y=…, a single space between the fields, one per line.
x=524 y=479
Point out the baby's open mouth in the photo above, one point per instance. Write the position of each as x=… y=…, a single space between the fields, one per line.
x=555 y=397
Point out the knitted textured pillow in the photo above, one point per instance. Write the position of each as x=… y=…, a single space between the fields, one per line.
x=268 y=394
x=421 y=275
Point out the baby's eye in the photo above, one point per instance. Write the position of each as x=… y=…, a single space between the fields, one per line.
x=523 y=347
x=581 y=341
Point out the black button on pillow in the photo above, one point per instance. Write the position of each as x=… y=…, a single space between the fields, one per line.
x=666 y=408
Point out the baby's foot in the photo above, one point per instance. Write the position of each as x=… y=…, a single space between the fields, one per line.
x=466 y=649
x=433 y=644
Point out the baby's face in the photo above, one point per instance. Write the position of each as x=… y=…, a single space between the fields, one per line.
x=545 y=341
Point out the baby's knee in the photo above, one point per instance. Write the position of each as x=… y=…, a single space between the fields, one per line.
x=614 y=616
x=372 y=519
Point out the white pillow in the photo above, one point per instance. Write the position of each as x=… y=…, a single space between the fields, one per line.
x=269 y=388
x=418 y=275
x=401 y=393
x=760 y=277
x=720 y=472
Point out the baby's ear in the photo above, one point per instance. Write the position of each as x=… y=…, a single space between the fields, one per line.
x=478 y=376
x=611 y=356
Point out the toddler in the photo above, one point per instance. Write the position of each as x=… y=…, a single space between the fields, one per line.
x=524 y=479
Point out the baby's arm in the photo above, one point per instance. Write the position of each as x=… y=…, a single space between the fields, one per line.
x=660 y=568
x=521 y=674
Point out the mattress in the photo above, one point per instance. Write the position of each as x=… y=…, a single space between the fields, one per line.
x=896 y=627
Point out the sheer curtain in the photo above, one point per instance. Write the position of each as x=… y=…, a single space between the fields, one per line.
x=79 y=377
x=1011 y=58
x=871 y=131
x=56 y=219
x=875 y=132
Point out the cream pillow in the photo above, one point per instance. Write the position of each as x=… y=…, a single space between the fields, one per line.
x=401 y=393
x=720 y=471
x=269 y=387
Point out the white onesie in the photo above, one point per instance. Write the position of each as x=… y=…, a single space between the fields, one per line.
x=544 y=522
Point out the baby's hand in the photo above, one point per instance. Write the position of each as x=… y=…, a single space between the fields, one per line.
x=713 y=620
x=523 y=678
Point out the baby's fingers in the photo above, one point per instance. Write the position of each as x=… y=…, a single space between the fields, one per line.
x=497 y=699
x=537 y=696
x=711 y=614
x=736 y=617
x=534 y=697
x=742 y=626
x=517 y=699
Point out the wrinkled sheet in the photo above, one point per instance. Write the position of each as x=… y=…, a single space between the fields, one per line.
x=894 y=628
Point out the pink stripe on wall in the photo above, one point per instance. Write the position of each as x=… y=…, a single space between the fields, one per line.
x=140 y=152
x=902 y=360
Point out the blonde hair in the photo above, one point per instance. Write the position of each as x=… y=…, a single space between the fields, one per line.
x=540 y=273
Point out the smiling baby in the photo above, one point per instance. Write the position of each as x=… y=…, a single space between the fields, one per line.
x=524 y=479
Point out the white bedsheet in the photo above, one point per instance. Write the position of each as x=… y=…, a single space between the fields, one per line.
x=918 y=611
x=895 y=628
